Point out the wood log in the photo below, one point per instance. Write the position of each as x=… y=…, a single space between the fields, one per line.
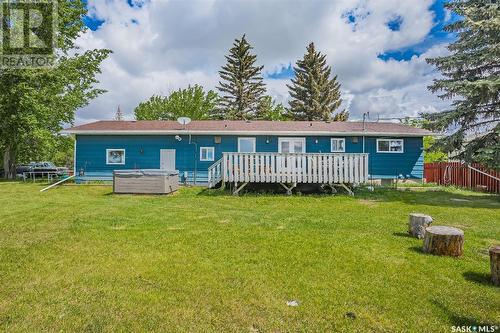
x=495 y=265
x=417 y=224
x=444 y=241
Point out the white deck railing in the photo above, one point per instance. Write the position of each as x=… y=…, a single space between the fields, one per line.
x=215 y=173
x=290 y=168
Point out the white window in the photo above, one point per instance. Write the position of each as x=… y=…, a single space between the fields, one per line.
x=246 y=145
x=291 y=145
x=115 y=156
x=207 y=153
x=338 y=145
x=390 y=146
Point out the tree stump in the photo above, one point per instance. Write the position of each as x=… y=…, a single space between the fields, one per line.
x=444 y=241
x=495 y=265
x=417 y=224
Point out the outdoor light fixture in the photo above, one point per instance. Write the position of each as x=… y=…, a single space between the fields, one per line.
x=178 y=138
x=267 y=139
x=316 y=141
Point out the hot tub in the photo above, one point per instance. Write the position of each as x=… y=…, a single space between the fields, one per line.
x=145 y=181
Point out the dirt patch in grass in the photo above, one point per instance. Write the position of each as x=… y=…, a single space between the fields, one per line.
x=369 y=203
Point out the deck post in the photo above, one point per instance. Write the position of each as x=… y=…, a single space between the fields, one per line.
x=351 y=193
x=238 y=189
x=289 y=189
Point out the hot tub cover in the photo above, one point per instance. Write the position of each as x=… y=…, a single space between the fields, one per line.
x=145 y=173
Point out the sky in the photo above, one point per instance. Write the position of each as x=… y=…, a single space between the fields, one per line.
x=377 y=49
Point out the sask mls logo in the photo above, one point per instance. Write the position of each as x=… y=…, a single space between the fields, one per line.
x=27 y=33
x=475 y=328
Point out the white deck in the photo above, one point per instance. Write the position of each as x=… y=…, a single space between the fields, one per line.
x=289 y=168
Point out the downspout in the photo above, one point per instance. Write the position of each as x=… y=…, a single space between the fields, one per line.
x=74 y=156
x=365 y=115
x=364 y=129
x=195 y=158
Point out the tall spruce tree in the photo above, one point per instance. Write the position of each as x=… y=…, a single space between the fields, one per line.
x=314 y=95
x=472 y=81
x=241 y=83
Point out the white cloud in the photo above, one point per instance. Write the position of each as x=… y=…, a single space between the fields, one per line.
x=166 y=44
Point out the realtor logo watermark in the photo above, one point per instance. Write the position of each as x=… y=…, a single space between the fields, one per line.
x=475 y=328
x=27 y=33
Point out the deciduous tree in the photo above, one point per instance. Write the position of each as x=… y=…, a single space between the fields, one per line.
x=270 y=110
x=36 y=103
x=192 y=102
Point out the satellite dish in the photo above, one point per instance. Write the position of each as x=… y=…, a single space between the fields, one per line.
x=183 y=120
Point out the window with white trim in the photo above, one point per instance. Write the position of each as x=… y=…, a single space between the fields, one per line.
x=390 y=145
x=338 y=145
x=246 y=145
x=207 y=153
x=291 y=145
x=115 y=156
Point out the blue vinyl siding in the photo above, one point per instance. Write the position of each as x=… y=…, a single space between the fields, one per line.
x=409 y=164
x=143 y=152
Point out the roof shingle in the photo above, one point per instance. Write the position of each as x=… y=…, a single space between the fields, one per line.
x=252 y=127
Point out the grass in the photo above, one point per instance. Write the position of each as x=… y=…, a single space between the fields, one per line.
x=78 y=258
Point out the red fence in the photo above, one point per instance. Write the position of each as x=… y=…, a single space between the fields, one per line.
x=462 y=175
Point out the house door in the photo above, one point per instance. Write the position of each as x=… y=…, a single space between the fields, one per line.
x=291 y=146
x=167 y=159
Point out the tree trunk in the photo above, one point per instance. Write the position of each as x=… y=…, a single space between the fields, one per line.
x=8 y=163
x=495 y=265
x=417 y=224
x=444 y=241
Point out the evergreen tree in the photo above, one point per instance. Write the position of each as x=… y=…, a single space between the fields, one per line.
x=314 y=96
x=241 y=83
x=472 y=81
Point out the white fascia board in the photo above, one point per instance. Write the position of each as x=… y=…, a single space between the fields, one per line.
x=242 y=133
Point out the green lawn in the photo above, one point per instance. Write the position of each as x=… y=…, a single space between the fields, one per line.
x=80 y=258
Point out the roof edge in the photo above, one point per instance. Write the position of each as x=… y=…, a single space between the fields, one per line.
x=198 y=132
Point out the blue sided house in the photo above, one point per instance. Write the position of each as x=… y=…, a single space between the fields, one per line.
x=286 y=152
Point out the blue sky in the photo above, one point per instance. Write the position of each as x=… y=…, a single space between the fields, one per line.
x=436 y=35
x=376 y=47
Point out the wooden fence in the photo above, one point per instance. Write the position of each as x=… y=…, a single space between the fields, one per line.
x=472 y=176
